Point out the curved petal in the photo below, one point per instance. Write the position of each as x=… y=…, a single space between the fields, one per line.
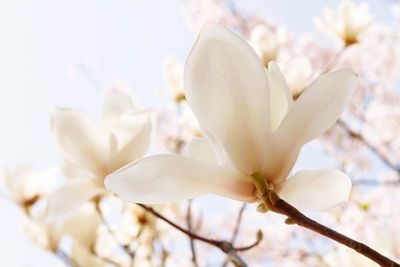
x=79 y=139
x=227 y=88
x=201 y=149
x=318 y=108
x=117 y=103
x=69 y=198
x=172 y=178
x=316 y=190
x=132 y=132
x=281 y=97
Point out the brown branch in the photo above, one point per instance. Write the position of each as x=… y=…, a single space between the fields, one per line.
x=276 y=204
x=238 y=223
x=358 y=136
x=225 y=246
x=236 y=229
x=256 y=243
x=190 y=228
x=111 y=232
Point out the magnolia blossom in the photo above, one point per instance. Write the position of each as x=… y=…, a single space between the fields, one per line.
x=347 y=22
x=83 y=229
x=251 y=125
x=298 y=73
x=27 y=186
x=172 y=71
x=45 y=235
x=266 y=42
x=95 y=150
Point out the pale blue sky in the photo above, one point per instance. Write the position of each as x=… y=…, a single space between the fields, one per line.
x=43 y=41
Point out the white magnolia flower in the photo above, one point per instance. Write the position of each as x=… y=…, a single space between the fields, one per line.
x=45 y=235
x=347 y=22
x=253 y=126
x=172 y=70
x=83 y=228
x=267 y=43
x=26 y=186
x=298 y=74
x=96 y=149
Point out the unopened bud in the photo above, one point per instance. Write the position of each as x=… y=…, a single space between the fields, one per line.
x=262 y=208
x=290 y=221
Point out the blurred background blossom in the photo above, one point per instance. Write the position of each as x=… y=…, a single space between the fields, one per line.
x=72 y=53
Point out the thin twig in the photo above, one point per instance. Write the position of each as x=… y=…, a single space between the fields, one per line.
x=190 y=228
x=272 y=200
x=358 y=136
x=238 y=223
x=236 y=229
x=111 y=232
x=256 y=243
x=225 y=246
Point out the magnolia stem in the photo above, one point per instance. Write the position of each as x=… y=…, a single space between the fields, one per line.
x=272 y=200
x=225 y=246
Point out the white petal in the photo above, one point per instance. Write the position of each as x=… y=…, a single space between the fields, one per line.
x=316 y=190
x=83 y=227
x=132 y=132
x=84 y=257
x=200 y=148
x=227 y=88
x=172 y=178
x=298 y=74
x=314 y=112
x=318 y=108
x=117 y=103
x=69 y=198
x=281 y=97
x=79 y=139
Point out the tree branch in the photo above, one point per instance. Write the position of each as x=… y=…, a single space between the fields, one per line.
x=111 y=232
x=236 y=229
x=225 y=246
x=238 y=223
x=278 y=205
x=190 y=229
x=358 y=136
